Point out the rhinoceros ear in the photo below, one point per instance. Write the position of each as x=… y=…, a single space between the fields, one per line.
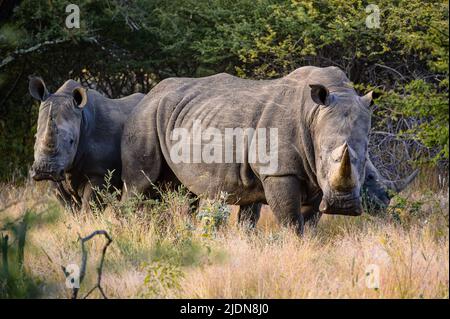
x=367 y=99
x=37 y=88
x=320 y=94
x=80 y=97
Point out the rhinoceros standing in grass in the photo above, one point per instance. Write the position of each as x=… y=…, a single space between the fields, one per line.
x=78 y=139
x=319 y=144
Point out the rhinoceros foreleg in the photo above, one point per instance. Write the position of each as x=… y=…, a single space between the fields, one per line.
x=66 y=199
x=310 y=210
x=311 y=215
x=248 y=215
x=282 y=195
x=90 y=196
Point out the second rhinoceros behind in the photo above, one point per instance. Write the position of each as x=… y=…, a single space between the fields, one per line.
x=78 y=139
x=320 y=140
x=379 y=190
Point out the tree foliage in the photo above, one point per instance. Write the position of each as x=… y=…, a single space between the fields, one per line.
x=127 y=46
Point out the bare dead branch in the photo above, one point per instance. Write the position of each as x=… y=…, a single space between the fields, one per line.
x=84 y=258
x=391 y=69
x=36 y=47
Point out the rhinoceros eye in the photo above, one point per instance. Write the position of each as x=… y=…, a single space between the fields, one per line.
x=71 y=141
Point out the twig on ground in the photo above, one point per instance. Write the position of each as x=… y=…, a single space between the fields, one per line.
x=98 y=286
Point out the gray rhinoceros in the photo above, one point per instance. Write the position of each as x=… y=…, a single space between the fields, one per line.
x=319 y=143
x=78 y=139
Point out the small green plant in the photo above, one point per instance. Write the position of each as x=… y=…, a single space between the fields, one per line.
x=14 y=279
x=213 y=214
x=402 y=208
x=109 y=196
x=161 y=278
x=427 y=210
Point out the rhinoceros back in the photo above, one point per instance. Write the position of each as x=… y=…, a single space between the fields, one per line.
x=224 y=103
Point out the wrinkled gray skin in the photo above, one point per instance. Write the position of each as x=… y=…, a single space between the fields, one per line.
x=78 y=139
x=322 y=124
x=377 y=189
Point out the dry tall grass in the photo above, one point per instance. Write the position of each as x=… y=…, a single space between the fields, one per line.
x=163 y=252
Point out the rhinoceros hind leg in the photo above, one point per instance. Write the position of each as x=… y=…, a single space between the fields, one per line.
x=282 y=194
x=140 y=181
x=248 y=215
x=66 y=199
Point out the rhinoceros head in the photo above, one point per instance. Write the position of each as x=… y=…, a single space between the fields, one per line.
x=340 y=136
x=58 y=130
x=380 y=190
x=375 y=187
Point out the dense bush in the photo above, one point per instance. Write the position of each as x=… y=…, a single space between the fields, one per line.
x=127 y=46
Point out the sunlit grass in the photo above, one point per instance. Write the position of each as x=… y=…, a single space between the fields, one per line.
x=163 y=251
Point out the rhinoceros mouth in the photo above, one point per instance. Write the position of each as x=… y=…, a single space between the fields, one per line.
x=56 y=176
x=341 y=206
x=380 y=201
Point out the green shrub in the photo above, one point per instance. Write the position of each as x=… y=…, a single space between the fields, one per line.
x=123 y=47
x=213 y=214
x=161 y=278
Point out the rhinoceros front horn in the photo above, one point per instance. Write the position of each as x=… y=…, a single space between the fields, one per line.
x=343 y=179
x=401 y=184
x=51 y=130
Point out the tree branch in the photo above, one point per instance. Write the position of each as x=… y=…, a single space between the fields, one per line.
x=84 y=262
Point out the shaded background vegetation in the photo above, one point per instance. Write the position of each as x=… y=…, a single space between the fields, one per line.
x=128 y=46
